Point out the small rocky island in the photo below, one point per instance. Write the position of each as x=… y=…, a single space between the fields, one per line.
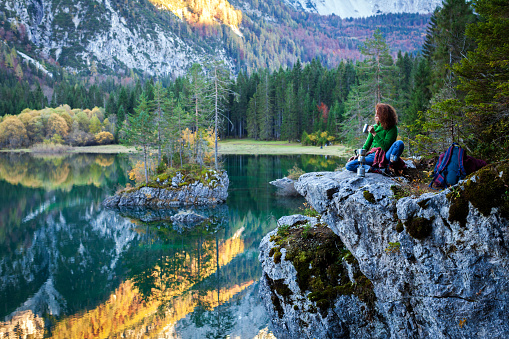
x=209 y=188
x=374 y=263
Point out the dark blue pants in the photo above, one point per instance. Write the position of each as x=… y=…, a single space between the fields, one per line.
x=395 y=151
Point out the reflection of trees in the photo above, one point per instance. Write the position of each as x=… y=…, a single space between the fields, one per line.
x=105 y=160
x=176 y=265
x=59 y=172
x=250 y=176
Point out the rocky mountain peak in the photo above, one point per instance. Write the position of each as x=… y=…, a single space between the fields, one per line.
x=363 y=8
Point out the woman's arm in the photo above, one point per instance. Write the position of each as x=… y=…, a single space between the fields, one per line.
x=369 y=141
x=385 y=140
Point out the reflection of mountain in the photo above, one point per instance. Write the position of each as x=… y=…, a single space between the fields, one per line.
x=70 y=251
x=58 y=172
x=246 y=308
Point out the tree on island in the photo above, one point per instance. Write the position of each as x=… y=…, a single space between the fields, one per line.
x=221 y=82
x=138 y=130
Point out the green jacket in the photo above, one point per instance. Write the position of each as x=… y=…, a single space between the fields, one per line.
x=383 y=138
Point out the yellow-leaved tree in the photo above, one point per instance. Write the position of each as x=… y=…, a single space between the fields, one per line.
x=13 y=133
x=56 y=125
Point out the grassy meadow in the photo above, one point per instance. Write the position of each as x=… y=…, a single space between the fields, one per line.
x=229 y=146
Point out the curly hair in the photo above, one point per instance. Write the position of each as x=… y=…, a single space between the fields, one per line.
x=387 y=115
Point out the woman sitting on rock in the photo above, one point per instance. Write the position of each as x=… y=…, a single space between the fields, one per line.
x=381 y=137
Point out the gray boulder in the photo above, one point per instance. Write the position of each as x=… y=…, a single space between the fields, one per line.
x=438 y=262
x=188 y=218
x=285 y=187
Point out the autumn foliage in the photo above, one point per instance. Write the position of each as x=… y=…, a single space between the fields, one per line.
x=61 y=125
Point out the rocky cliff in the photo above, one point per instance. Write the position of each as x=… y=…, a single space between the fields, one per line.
x=209 y=190
x=79 y=33
x=363 y=8
x=433 y=266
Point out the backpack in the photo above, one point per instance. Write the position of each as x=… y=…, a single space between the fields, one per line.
x=449 y=168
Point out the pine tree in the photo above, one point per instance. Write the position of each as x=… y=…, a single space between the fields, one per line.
x=375 y=74
x=484 y=76
x=159 y=108
x=264 y=111
x=138 y=130
x=420 y=95
x=220 y=80
x=446 y=43
x=376 y=84
x=198 y=96
x=253 y=129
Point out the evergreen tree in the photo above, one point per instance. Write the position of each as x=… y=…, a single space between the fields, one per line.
x=139 y=131
x=419 y=97
x=376 y=84
x=111 y=105
x=160 y=105
x=198 y=96
x=446 y=43
x=375 y=74
x=484 y=76
x=253 y=129
x=264 y=112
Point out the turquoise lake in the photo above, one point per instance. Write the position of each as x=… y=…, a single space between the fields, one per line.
x=70 y=268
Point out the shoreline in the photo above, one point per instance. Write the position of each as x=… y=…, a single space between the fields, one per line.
x=226 y=147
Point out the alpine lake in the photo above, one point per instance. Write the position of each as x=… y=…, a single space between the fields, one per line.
x=70 y=268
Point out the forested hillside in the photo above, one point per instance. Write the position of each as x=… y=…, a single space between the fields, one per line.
x=438 y=95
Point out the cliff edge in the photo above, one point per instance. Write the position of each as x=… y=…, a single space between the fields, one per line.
x=433 y=266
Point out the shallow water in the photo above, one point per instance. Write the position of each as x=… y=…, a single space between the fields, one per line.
x=70 y=268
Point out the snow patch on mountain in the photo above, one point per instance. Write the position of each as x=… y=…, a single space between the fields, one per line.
x=364 y=8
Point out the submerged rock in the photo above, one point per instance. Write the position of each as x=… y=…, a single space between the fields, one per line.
x=179 y=193
x=438 y=263
x=285 y=187
x=188 y=218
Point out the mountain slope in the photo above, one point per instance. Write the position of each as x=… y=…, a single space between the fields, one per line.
x=77 y=33
x=165 y=37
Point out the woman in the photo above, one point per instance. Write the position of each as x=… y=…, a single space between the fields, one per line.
x=383 y=134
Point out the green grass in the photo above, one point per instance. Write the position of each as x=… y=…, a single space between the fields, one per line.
x=230 y=146
x=250 y=146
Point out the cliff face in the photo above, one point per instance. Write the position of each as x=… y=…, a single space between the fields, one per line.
x=77 y=33
x=438 y=264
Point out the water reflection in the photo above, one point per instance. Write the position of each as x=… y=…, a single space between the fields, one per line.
x=71 y=269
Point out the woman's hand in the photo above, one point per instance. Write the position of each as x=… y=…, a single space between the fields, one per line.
x=371 y=130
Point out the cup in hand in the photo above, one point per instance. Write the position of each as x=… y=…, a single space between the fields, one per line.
x=365 y=128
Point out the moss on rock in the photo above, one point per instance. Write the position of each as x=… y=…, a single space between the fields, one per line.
x=369 y=197
x=485 y=189
x=318 y=259
x=419 y=228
